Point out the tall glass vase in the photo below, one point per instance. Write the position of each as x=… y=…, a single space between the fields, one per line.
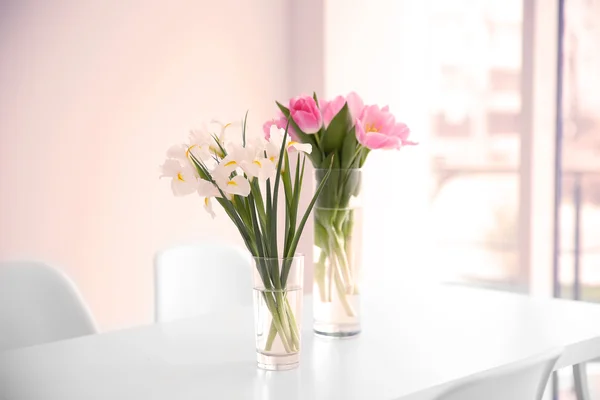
x=278 y=311
x=337 y=254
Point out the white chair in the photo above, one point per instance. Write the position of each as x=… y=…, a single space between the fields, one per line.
x=580 y=382
x=196 y=279
x=39 y=304
x=523 y=380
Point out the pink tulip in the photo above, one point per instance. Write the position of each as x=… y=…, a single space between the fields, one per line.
x=377 y=129
x=330 y=109
x=306 y=114
x=281 y=123
x=355 y=105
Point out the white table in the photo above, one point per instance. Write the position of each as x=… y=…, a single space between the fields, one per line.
x=412 y=341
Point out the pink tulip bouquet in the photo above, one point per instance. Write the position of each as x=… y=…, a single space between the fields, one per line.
x=342 y=132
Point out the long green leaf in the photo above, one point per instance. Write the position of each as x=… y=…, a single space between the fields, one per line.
x=290 y=215
x=244 y=129
x=294 y=245
x=273 y=228
x=260 y=205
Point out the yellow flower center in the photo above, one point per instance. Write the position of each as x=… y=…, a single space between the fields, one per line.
x=292 y=143
x=180 y=177
x=230 y=163
x=257 y=163
x=206 y=201
x=272 y=158
x=232 y=183
x=371 y=128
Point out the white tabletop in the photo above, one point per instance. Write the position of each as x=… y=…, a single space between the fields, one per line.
x=411 y=342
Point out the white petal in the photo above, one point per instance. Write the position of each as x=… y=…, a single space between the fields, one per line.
x=267 y=170
x=200 y=152
x=250 y=168
x=182 y=187
x=224 y=129
x=273 y=151
x=238 y=185
x=221 y=176
x=303 y=147
x=200 y=136
x=170 y=168
x=177 y=152
x=207 y=189
x=229 y=164
x=277 y=135
x=208 y=207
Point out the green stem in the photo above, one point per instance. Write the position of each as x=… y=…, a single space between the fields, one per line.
x=320 y=274
x=339 y=284
x=338 y=249
x=293 y=324
x=271 y=337
x=277 y=321
x=284 y=320
x=294 y=339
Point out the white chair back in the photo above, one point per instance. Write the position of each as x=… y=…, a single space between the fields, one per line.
x=523 y=380
x=39 y=304
x=196 y=279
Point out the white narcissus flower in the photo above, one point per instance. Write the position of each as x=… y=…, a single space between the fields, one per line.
x=208 y=190
x=209 y=141
x=259 y=166
x=253 y=161
x=275 y=140
x=184 y=179
x=236 y=185
x=235 y=156
x=178 y=152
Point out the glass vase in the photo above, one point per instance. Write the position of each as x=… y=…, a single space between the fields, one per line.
x=337 y=254
x=278 y=311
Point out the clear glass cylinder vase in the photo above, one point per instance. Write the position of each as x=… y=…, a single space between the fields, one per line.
x=278 y=311
x=337 y=254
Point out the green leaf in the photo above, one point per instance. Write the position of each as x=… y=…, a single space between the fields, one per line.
x=273 y=212
x=337 y=130
x=244 y=129
x=283 y=109
x=349 y=148
x=260 y=205
x=287 y=186
x=294 y=244
x=262 y=270
x=363 y=157
x=287 y=181
x=327 y=161
x=315 y=98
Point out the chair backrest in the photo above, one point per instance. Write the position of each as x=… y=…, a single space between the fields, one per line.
x=196 y=279
x=523 y=380
x=39 y=304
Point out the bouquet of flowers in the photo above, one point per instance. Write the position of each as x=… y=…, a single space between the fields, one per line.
x=342 y=132
x=245 y=178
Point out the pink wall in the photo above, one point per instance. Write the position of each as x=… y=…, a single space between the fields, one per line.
x=92 y=94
